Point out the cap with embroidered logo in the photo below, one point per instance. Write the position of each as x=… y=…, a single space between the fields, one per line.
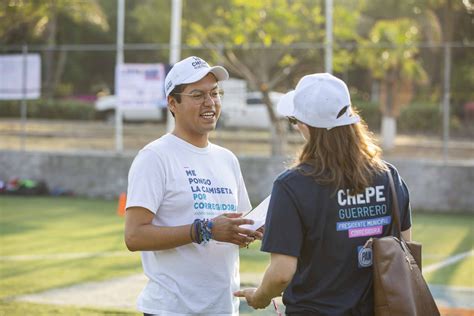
x=319 y=100
x=190 y=70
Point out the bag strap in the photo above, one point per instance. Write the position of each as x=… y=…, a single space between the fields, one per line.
x=396 y=225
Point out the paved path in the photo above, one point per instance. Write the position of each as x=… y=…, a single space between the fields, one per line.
x=121 y=293
x=454 y=297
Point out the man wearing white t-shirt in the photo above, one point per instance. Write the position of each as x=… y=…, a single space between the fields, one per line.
x=184 y=204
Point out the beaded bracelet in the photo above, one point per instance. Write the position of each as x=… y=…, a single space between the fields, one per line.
x=202 y=231
x=197 y=225
x=206 y=230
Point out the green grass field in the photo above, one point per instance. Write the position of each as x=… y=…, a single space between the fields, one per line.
x=56 y=242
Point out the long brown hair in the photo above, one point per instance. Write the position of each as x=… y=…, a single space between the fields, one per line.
x=344 y=156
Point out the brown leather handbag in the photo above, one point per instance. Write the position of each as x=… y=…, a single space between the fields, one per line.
x=399 y=286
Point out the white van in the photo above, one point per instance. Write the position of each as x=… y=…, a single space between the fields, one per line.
x=242 y=109
x=106 y=104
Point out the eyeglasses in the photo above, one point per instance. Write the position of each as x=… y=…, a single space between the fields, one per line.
x=292 y=120
x=200 y=96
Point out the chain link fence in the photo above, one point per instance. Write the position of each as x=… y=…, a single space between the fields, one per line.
x=74 y=76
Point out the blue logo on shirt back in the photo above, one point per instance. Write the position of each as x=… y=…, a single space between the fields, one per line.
x=364 y=256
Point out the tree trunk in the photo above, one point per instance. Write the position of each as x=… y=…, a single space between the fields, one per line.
x=375 y=91
x=388 y=132
x=389 y=122
x=49 y=54
x=448 y=21
x=258 y=79
x=278 y=139
x=59 y=70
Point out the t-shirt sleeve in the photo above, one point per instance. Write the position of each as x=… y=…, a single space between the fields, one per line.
x=146 y=181
x=244 y=204
x=243 y=200
x=284 y=232
x=403 y=200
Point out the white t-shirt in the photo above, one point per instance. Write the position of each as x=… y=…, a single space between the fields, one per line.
x=180 y=182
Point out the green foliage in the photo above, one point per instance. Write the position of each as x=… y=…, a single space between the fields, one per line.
x=420 y=117
x=345 y=57
x=395 y=51
x=237 y=25
x=25 y=21
x=462 y=76
x=370 y=113
x=50 y=109
x=152 y=19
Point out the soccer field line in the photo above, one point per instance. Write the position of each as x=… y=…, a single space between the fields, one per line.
x=82 y=255
x=449 y=261
x=62 y=256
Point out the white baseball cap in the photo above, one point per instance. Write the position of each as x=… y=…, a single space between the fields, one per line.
x=319 y=100
x=190 y=70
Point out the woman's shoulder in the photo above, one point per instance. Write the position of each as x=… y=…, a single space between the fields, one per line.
x=296 y=173
x=392 y=168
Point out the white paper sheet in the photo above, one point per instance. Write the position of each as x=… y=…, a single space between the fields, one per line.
x=258 y=214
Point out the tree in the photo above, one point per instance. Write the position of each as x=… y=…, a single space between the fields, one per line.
x=391 y=53
x=456 y=19
x=407 y=24
x=150 y=23
x=26 y=21
x=256 y=38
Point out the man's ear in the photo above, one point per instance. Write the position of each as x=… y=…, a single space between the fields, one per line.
x=172 y=104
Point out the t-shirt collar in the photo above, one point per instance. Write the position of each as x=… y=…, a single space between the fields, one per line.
x=188 y=146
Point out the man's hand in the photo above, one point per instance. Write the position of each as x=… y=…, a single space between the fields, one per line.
x=252 y=299
x=262 y=231
x=226 y=227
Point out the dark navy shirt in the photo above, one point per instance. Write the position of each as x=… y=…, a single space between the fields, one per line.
x=326 y=229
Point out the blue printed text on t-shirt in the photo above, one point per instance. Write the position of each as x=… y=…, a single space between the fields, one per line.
x=202 y=189
x=363 y=214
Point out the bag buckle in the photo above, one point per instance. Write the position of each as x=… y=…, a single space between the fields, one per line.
x=368 y=243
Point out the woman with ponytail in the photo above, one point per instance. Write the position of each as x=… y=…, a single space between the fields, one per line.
x=324 y=209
